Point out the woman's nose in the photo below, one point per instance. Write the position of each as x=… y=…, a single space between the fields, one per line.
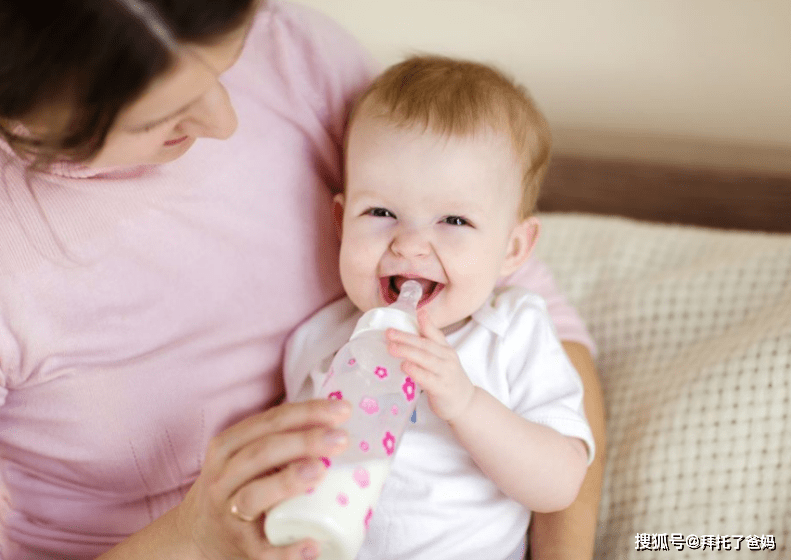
x=212 y=116
x=411 y=242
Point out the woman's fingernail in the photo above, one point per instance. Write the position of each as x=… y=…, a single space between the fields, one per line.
x=310 y=553
x=335 y=437
x=339 y=407
x=308 y=471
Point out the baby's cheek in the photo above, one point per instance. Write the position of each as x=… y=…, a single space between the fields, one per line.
x=468 y=265
x=354 y=255
x=359 y=275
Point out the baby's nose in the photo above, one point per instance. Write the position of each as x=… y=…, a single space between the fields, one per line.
x=411 y=242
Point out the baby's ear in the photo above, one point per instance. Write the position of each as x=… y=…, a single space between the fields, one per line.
x=337 y=212
x=520 y=244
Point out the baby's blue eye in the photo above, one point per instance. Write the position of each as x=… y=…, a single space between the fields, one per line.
x=455 y=221
x=380 y=213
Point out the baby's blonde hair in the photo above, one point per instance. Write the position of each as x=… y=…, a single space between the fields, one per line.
x=458 y=98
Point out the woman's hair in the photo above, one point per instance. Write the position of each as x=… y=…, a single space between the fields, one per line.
x=85 y=60
x=458 y=98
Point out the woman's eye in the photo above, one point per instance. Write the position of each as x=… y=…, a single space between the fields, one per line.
x=146 y=129
x=455 y=221
x=380 y=213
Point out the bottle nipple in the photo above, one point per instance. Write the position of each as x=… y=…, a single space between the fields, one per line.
x=410 y=294
x=401 y=314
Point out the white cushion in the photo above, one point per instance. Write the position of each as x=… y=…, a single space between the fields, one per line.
x=693 y=328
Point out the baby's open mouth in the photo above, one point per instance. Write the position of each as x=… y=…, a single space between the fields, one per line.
x=391 y=287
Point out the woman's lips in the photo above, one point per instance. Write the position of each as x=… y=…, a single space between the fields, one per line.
x=176 y=141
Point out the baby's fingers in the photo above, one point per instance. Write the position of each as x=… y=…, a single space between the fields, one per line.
x=425 y=379
x=429 y=329
x=421 y=355
x=402 y=338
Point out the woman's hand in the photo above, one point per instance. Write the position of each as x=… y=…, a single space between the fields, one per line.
x=434 y=365
x=251 y=467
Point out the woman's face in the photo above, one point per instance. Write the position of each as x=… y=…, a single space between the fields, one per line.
x=185 y=103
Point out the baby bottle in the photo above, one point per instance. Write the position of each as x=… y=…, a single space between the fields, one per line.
x=336 y=512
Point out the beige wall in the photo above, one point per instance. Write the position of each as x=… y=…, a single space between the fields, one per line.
x=607 y=72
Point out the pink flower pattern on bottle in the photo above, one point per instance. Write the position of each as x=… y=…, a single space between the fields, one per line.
x=384 y=403
x=369 y=405
x=409 y=388
x=389 y=443
x=361 y=477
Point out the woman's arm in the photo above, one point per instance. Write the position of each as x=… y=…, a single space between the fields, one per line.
x=570 y=534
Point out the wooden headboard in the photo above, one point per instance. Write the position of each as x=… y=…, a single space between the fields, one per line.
x=713 y=197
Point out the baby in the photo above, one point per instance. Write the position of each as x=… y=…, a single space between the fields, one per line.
x=444 y=159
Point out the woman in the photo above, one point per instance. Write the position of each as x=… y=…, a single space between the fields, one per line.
x=167 y=171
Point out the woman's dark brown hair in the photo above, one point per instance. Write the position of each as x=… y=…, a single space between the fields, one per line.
x=93 y=58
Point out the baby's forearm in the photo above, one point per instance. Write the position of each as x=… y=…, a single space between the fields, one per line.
x=533 y=464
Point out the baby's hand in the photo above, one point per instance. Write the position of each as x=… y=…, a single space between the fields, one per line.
x=434 y=365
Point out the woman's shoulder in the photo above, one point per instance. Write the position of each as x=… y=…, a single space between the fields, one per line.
x=305 y=56
x=303 y=20
x=310 y=34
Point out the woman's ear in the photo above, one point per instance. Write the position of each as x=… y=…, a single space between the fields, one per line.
x=337 y=213
x=520 y=244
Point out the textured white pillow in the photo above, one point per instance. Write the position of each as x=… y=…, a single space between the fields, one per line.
x=694 y=333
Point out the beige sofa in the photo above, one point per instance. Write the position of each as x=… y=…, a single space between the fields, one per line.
x=693 y=325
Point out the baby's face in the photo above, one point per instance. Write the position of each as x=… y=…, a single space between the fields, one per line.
x=443 y=210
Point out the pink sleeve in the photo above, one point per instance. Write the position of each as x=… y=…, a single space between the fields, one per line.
x=536 y=277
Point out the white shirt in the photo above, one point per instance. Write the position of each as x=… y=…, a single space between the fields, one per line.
x=437 y=504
